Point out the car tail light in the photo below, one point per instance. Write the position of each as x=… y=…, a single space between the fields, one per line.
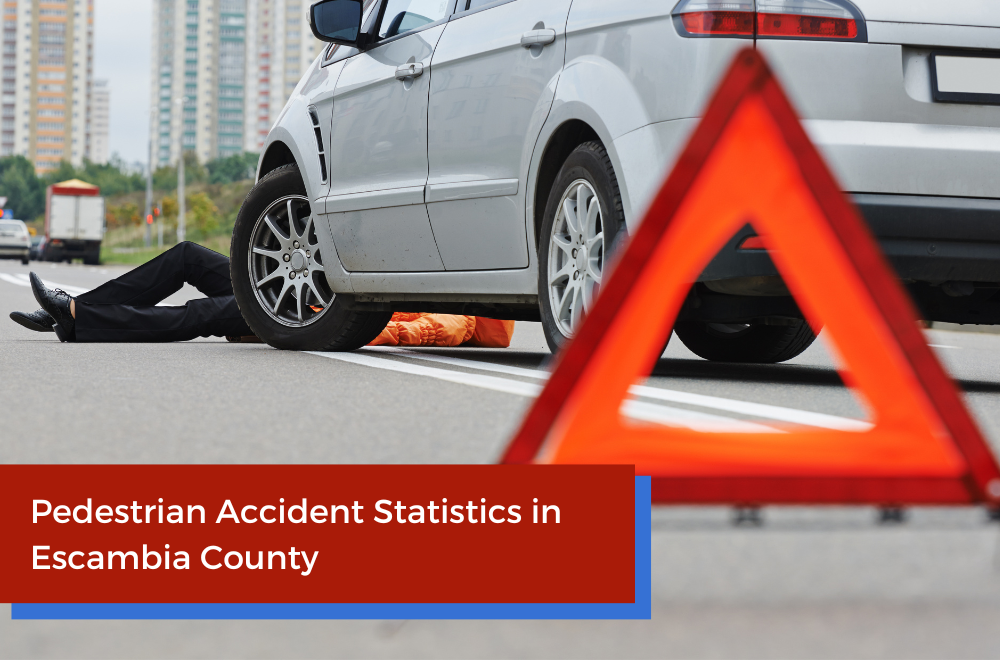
x=836 y=20
x=701 y=18
x=806 y=19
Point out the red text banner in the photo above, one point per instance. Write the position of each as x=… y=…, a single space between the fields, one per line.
x=317 y=534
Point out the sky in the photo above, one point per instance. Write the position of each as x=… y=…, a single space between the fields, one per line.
x=121 y=55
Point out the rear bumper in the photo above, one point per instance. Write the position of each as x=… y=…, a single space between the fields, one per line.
x=7 y=252
x=70 y=249
x=927 y=239
x=930 y=241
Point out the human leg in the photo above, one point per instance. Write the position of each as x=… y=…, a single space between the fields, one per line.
x=150 y=283
x=204 y=317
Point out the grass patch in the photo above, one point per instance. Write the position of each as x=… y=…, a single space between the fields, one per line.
x=139 y=256
x=212 y=210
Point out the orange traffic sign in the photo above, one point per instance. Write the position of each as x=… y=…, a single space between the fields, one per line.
x=749 y=160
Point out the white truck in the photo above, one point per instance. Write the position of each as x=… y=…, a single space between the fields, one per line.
x=74 y=222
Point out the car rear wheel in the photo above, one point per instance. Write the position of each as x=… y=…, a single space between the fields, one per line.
x=583 y=220
x=278 y=273
x=745 y=342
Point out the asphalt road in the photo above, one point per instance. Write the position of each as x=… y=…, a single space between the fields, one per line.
x=808 y=583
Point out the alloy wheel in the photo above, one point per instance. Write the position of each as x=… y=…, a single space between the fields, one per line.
x=576 y=255
x=286 y=264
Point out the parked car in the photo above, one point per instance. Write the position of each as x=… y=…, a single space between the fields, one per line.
x=15 y=241
x=37 y=245
x=477 y=157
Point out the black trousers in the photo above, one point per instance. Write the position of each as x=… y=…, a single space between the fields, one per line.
x=124 y=309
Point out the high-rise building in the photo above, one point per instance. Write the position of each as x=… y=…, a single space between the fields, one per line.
x=47 y=74
x=283 y=46
x=199 y=60
x=100 y=117
x=222 y=71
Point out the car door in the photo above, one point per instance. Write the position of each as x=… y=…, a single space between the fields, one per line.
x=490 y=74
x=378 y=153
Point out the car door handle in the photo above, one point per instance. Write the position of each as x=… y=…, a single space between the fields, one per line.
x=538 y=38
x=409 y=70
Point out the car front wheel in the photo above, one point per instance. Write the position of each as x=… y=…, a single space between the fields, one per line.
x=278 y=272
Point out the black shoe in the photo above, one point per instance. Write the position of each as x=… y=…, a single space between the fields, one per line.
x=39 y=320
x=56 y=303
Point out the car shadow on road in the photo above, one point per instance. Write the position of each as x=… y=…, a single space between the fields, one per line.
x=689 y=369
x=786 y=374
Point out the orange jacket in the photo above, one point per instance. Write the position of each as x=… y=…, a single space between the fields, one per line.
x=445 y=330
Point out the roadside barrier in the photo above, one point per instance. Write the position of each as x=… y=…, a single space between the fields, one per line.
x=749 y=160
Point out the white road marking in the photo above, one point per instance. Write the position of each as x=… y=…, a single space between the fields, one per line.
x=762 y=410
x=635 y=409
x=22 y=280
x=650 y=412
x=944 y=346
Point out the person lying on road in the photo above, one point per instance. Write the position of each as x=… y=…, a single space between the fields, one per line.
x=125 y=309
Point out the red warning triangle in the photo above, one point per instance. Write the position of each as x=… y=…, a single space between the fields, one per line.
x=750 y=161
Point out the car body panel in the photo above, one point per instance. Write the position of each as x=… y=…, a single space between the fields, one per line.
x=893 y=138
x=486 y=91
x=938 y=12
x=378 y=160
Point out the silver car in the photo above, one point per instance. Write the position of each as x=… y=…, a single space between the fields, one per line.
x=15 y=241
x=483 y=157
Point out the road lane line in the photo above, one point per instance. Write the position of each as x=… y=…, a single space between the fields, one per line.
x=22 y=280
x=943 y=346
x=677 y=417
x=778 y=413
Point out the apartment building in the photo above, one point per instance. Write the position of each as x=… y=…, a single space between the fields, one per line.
x=222 y=71
x=48 y=48
x=283 y=47
x=100 y=118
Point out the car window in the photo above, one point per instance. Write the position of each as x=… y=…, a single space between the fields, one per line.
x=403 y=16
x=476 y=4
x=11 y=226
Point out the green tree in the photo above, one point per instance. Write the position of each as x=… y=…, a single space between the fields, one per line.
x=123 y=215
x=194 y=172
x=24 y=192
x=203 y=214
x=64 y=172
x=165 y=178
x=238 y=167
x=112 y=177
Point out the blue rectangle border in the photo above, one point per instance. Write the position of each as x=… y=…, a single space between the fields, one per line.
x=640 y=609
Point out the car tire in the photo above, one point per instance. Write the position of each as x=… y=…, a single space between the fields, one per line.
x=93 y=259
x=284 y=303
x=753 y=342
x=25 y=261
x=571 y=259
